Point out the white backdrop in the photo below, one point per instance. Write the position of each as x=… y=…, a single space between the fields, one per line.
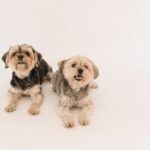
x=115 y=34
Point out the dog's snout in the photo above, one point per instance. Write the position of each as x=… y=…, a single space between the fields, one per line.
x=80 y=71
x=20 y=57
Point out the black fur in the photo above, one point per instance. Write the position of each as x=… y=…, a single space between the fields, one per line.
x=36 y=76
x=4 y=59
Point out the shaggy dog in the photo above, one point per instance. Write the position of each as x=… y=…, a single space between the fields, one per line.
x=72 y=82
x=29 y=72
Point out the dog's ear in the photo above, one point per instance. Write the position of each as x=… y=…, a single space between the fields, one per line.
x=61 y=65
x=5 y=59
x=96 y=72
x=95 y=69
x=38 y=57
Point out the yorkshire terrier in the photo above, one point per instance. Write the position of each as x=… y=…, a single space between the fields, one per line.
x=29 y=72
x=72 y=82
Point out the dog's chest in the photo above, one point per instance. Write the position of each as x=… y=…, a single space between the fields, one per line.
x=28 y=82
x=76 y=95
x=23 y=84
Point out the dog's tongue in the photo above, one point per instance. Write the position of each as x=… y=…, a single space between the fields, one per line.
x=79 y=77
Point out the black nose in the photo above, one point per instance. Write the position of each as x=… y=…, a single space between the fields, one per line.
x=80 y=71
x=20 y=57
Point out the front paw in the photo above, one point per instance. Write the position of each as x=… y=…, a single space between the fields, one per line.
x=10 y=108
x=69 y=123
x=34 y=110
x=84 y=121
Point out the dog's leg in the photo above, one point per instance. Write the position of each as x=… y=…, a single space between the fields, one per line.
x=37 y=99
x=64 y=112
x=66 y=116
x=86 y=112
x=14 y=99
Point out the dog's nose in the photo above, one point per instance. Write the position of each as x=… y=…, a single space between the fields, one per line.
x=80 y=71
x=20 y=57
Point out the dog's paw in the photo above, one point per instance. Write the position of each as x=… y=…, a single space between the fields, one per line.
x=34 y=110
x=94 y=85
x=10 y=108
x=69 y=123
x=84 y=121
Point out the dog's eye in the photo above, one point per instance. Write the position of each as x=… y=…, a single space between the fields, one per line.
x=73 y=65
x=86 y=66
x=14 y=54
x=27 y=53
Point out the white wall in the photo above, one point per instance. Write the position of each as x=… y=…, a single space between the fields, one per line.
x=115 y=34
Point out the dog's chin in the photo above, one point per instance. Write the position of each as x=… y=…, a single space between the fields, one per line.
x=21 y=66
x=77 y=82
x=21 y=69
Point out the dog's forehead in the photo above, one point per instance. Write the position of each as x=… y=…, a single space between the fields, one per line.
x=85 y=60
x=79 y=59
x=74 y=60
x=13 y=49
x=21 y=48
x=25 y=47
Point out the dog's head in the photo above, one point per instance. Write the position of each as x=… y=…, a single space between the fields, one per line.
x=78 y=70
x=21 y=59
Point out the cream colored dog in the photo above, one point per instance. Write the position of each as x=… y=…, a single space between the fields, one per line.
x=72 y=82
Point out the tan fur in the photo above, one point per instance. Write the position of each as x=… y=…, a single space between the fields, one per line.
x=64 y=110
x=21 y=70
x=34 y=92
x=80 y=61
x=89 y=74
x=94 y=85
x=30 y=59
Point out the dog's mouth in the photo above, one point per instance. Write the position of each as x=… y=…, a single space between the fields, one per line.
x=21 y=64
x=21 y=61
x=78 y=77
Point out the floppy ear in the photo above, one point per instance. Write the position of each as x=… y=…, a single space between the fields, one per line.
x=38 y=57
x=5 y=59
x=96 y=72
x=61 y=65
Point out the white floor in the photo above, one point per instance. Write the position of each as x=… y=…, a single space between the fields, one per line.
x=115 y=35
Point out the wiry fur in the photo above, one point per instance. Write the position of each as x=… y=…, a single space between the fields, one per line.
x=29 y=72
x=74 y=88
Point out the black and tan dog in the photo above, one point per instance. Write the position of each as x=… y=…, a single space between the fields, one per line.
x=29 y=72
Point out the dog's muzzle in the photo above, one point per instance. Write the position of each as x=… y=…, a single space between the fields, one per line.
x=78 y=77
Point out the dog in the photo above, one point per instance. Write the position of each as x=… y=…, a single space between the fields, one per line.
x=72 y=82
x=29 y=72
